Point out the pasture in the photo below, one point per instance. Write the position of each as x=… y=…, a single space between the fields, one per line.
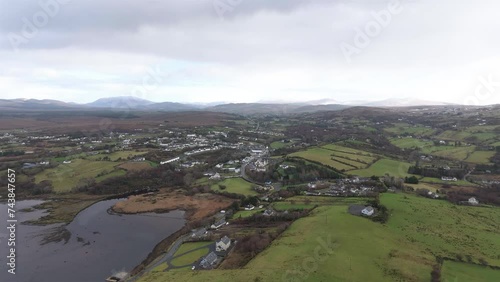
x=384 y=166
x=66 y=176
x=189 y=253
x=235 y=185
x=407 y=143
x=481 y=157
x=456 y=271
x=351 y=248
x=338 y=157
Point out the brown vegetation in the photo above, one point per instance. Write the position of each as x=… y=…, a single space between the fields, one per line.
x=197 y=207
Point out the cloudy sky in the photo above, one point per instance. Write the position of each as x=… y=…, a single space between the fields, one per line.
x=250 y=50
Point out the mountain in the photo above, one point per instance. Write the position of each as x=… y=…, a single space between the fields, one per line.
x=404 y=102
x=171 y=107
x=134 y=103
x=34 y=104
x=123 y=102
x=273 y=109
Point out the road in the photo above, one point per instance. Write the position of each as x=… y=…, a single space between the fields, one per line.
x=166 y=258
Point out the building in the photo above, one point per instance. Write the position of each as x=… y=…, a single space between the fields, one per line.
x=473 y=201
x=170 y=161
x=268 y=212
x=216 y=176
x=368 y=211
x=444 y=178
x=199 y=233
x=66 y=162
x=209 y=261
x=218 y=224
x=223 y=244
x=249 y=207
x=29 y=165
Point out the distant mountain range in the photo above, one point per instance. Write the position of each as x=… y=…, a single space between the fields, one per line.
x=138 y=104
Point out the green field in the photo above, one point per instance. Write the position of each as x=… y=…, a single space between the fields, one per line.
x=279 y=144
x=457 y=153
x=283 y=206
x=406 y=143
x=236 y=185
x=338 y=157
x=384 y=166
x=458 y=230
x=407 y=129
x=186 y=255
x=481 y=157
x=66 y=176
x=453 y=135
x=456 y=271
x=404 y=249
x=439 y=181
x=244 y=214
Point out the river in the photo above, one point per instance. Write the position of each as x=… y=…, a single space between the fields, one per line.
x=95 y=245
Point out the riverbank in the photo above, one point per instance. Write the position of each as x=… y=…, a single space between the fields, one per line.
x=64 y=208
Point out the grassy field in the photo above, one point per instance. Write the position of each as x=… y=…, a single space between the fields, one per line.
x=236 y=185
x=439 y=181
x=243 y=213
x=456 y=153
x=279 y=144
x=422 y=185
x=405 y=128
x=458 y=230
x=406 y=143
x=329 y=246
x=456 y=271
x=338 y=157
x=66 y=176
x=284 y=206
x=135 y=165
x=182 y=257
x=383 y=166
x=481 y=157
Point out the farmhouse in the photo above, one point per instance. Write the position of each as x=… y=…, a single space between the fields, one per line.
x=219 y=224
x=66 y=162
x=199 y=233
x=473 y=201
x=268 y=212
x=215 y=176
x=368 y=211
x=444 y=178
x=249 y=207
x=223 y=244
x=209 y=261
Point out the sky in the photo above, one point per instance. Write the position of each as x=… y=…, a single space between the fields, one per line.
x=251 y=50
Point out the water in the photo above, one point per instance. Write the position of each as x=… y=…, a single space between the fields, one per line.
x=100 y=244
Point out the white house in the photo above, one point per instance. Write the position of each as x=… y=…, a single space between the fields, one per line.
x=66 y=162
x=249 y=207
x=368 y=211
x=223 y=244
x=216 y=176
x=473 y=201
